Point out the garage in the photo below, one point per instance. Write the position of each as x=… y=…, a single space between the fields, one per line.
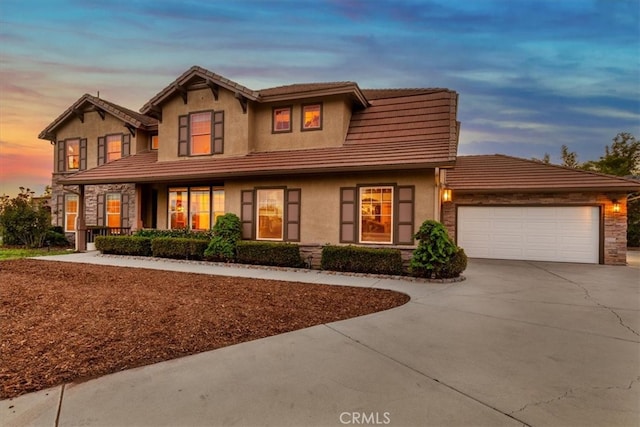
x=504 y=207
x=534 y=233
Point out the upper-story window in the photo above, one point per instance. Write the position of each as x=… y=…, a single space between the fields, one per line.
x=73 y=154
x=201 y=133
x=200 y=125
x=282 y=119
x=114 y=147
x=155 y=142
x=312 y=117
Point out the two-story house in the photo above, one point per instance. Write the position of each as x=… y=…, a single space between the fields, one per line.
x=321 y=163
x=308 y=163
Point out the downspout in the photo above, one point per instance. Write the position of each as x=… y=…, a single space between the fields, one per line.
x=437 y=203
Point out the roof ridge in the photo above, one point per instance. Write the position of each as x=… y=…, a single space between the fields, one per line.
x=568 y=168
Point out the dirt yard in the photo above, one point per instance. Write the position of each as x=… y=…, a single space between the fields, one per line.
x=63 y=322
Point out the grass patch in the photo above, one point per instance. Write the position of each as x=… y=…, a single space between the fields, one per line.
x=16 y=253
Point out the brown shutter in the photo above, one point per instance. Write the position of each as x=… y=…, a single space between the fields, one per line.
x=61 y=156
x=183 y=136
x=100 y=210
x=60 y=211
x=405 y=215
x=247 y=214
x=83 y=154
x=293 y=216
x=124 y=210
x=101 y=150
x=348 y=217
x=126 y=145
x=218 y=132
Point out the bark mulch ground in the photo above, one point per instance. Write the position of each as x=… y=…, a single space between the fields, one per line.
x=64 y=322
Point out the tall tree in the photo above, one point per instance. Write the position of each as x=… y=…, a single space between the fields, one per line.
x=569 y=158
x=622 y=158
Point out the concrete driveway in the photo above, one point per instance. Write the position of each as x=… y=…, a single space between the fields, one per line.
x=517 y=343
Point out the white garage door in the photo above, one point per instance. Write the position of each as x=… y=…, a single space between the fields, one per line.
x=567 y=234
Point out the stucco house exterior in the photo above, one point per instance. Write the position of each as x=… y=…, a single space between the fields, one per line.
x=314 y=164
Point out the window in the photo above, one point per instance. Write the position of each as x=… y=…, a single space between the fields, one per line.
x=270 y=214
x=70 y=212
x=200 y=208
x=282 y=119
x=218 y=204
x=177 y=208
x=376 y=214
x=192 y=207
x=200 y=133
x=312 y=117
x=73 y=154
x=114 y=147
x=155 y=142
x=113 y=210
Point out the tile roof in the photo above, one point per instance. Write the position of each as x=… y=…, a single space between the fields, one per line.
x=145 y=167
x=133 y=118
x=500 y=173
x=428 y=117
x=373 y=94
x=308 y=90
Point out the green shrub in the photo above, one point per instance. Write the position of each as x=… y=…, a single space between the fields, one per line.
x=359 y=259
x=178 y=248
x=436 y=256
x=456 y=265
x=227 y=232
x=183 y=233
x=124 y=245
x=23 y=221
x=269 y=253
x=56 y=238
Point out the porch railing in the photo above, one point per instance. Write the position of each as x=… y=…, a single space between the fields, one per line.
x=91 y=233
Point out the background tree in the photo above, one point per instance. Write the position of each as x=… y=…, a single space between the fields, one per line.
x=23 y=221
x=569 y=158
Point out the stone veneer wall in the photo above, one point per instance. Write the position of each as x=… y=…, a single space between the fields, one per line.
x=615 y=224
x=91 y=202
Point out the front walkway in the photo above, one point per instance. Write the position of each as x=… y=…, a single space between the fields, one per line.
x=516 y=343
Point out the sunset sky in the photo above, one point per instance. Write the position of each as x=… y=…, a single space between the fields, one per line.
x=531 y=75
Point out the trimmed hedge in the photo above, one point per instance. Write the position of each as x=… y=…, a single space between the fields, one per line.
x=178 y=233
x=269 y=253
x=227 y=233
x=178 y=248
x=359 y=259
x=124 y=245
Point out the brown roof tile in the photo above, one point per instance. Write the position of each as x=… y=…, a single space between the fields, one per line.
x=428 y=117
x=145 y=167
x=500 y=173
x=126 y=115
x=308 y=90
x=373 y=94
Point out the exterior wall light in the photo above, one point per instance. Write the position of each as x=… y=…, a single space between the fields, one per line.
x=616 y=206
x=447 y=195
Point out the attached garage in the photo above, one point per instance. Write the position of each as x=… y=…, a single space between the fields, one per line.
x=534 y=233
x=510 y=208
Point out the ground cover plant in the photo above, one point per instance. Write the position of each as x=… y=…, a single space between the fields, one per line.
x=64 y=322
x=12 y=252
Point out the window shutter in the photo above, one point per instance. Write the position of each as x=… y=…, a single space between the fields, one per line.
x=218 y=132
x=183 y=136
x=405 y=215
x=100 y=210
x=61 y=156
x=101 y=150
x=348 y=217
x=126 y=145
x=60 y=210
x=293 y=216
x=83 y=154
x=124 y=210
x=247 y=214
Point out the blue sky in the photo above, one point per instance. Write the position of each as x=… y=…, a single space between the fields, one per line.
x=531 y=75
